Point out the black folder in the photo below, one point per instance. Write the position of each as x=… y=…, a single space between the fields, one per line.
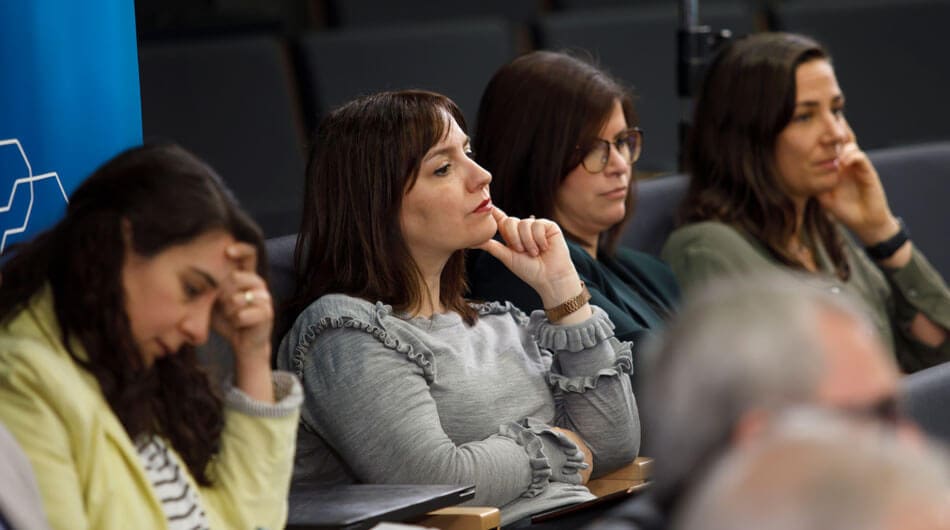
x=358 y=506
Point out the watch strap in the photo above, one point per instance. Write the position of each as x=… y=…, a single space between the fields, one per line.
x=558 y=312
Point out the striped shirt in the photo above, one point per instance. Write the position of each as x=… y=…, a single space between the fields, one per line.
x=179 y=499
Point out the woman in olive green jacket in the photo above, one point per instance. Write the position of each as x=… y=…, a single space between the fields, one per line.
x=777 y=177
x=99 y=381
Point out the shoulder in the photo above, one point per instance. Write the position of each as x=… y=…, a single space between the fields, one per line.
x=706 y=234
x=36 y=371
x=638 y=260
x=340 y=330
x=339 y=311
x=27 y=345
x=499 y=311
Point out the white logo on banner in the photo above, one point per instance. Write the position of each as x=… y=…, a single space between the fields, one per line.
x=17 y=184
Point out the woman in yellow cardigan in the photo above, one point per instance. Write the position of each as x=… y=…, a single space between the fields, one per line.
x=99 y=382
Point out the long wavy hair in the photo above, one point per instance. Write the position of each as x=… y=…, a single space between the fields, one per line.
x=534 y=113
x=167 y=197
x=746 y=100
x=365 y=158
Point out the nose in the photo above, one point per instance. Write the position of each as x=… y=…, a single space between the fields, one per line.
x=617 y=164
x=479 y=177
x=836 y=129
x=196 y=323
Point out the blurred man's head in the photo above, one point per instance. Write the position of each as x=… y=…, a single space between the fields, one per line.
x=809 y=470
x=744 y=349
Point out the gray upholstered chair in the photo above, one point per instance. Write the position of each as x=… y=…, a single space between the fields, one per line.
x=654 y=216
x=917 y=181
x=926 y=400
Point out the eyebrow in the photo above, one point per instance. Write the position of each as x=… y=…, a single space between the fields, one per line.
x=836 y=99
x=207 y=277
x=446 y=150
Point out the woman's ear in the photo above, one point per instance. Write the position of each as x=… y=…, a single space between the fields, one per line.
x=126 y=226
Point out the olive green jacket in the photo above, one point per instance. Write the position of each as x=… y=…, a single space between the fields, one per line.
x=699 y=252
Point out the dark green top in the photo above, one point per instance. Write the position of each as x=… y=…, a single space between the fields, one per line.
x=638 y=291
x=702 y=251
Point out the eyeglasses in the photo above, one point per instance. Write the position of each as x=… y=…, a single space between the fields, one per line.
x=628 y=143
x=886 y=410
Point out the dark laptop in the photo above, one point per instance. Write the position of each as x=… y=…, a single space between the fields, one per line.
x=358 y=506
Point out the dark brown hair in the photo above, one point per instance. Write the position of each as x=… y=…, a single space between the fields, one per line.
x=365 y=158
x=535 y=112
x=747 y=99
x=168 y=197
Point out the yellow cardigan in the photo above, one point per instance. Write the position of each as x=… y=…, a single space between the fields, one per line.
x=87 y=467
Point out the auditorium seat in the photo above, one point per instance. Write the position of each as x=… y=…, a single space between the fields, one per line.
x=890 y=58
x=917 y=181
x=453 y=58
x=926 y=399
x=231 y=101
x=654 y=215
x=638 y=45
x=282 y=282
x=352 y=13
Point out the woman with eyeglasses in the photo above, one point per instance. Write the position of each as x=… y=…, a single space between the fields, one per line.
x=778 y=183
x=559 y=136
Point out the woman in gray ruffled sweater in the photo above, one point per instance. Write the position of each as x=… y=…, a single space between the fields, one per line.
x=406 y=380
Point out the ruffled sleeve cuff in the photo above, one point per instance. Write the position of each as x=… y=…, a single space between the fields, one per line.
x=573 y=337
x=585 y=351
x=288 y=396
x=551 y=455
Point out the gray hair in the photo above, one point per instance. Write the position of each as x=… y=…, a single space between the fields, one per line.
x=739 y=345
x=816 y=470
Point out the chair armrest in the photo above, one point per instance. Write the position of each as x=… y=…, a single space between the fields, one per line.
x=463 y=518
x=637 y=472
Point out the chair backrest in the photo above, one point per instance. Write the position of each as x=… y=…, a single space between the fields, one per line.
x=352 y=13
x=917 y=181
x=638 y=46
x=283 y=282
x=658 y=200
x=453 y=58
x=926 y=396
x=231 y=102
x=890 y=60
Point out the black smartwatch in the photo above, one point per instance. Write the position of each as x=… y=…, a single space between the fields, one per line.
x=885 y=249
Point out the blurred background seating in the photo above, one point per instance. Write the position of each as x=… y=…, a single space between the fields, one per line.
x=243 y=82
x=233 y=102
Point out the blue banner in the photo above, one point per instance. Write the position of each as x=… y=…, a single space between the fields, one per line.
x=69 y=100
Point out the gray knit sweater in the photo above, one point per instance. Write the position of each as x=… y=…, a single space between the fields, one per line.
x=436 y=401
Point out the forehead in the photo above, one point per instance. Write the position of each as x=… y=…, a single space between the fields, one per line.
x=205 y=253
x=453 y=131
x=453 y=136
x=815 y=80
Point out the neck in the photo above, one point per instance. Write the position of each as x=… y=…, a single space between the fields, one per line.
x=799 y=218
x=590 y=247
x=796 y=243
x=430 y=286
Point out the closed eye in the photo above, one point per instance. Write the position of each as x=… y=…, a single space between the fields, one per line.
x=191 y=291
x=443 y=170
x=802 y=117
